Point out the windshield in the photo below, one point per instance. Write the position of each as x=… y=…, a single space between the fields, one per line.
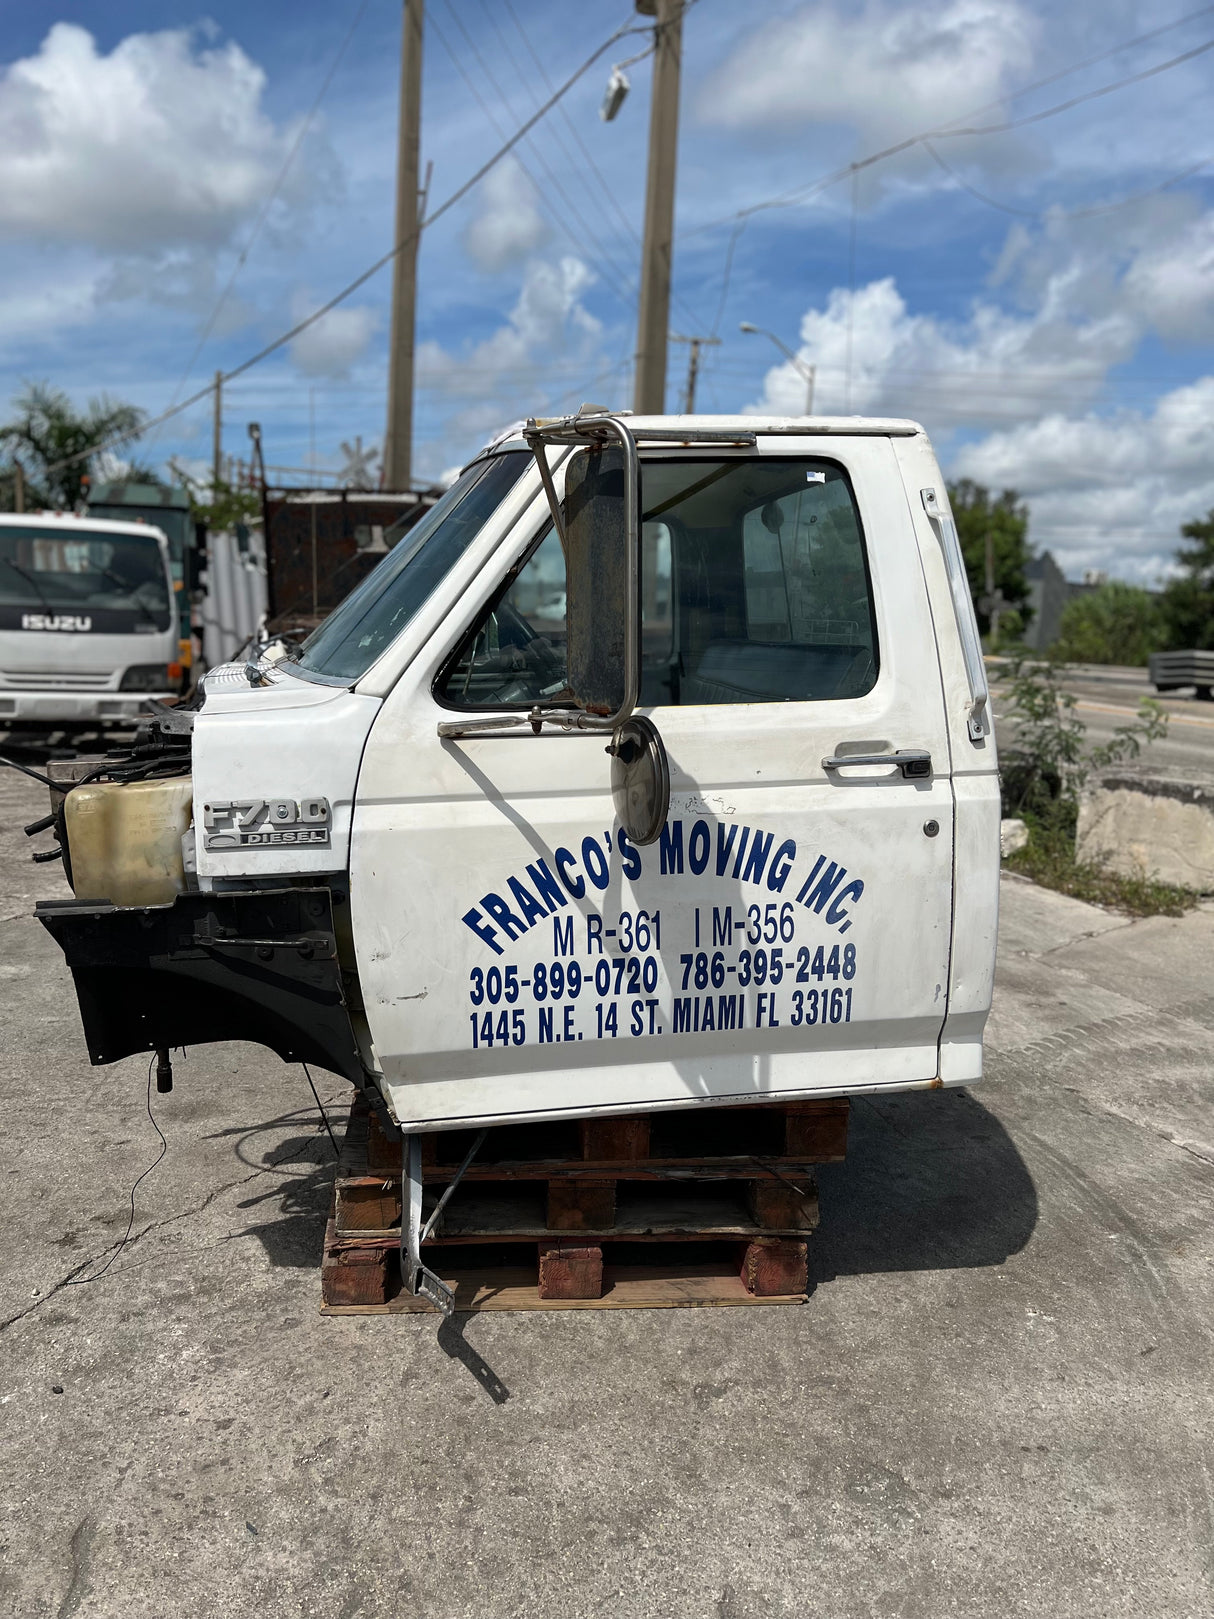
x=119 y=575
x=173 y=521
x=371 y=617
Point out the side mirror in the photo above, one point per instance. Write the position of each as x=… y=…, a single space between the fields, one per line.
x=599 y=524
x=598 y=605
x=603 y=629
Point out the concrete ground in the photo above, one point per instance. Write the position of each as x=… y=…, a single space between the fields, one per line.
x=996 y=1402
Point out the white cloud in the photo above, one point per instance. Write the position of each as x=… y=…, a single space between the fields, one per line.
x=1105 y=489
x=162 y=142
x=335 y=342
x=1152 y=261
x=547 y=341
x=509 y=225
x=982 y=368
x=887 y=69
x=1108 y=492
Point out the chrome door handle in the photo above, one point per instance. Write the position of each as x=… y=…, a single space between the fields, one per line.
x=914 y=763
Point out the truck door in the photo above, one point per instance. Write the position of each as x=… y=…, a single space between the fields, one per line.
x=788 y=932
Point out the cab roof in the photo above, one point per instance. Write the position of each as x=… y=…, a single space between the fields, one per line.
x=69 y=522
x=781 y=426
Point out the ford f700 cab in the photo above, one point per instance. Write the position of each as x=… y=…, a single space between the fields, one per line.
x=88 y=620
x=653 y=768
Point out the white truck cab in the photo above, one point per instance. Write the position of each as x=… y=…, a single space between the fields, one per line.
x=653 y=768
x=88 y=620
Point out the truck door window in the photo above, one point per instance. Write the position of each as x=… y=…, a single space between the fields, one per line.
x=516 y=654
x=754 y=589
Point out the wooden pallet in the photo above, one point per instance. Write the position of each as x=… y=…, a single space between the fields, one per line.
x=709 y=1206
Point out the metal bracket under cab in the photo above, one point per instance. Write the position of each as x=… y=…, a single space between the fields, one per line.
x=267 y=823
x=258 y=965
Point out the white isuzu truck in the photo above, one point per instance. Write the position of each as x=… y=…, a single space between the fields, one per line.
x=654 y=768
x=88 y=621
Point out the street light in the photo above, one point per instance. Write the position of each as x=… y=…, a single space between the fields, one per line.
x=806 y=371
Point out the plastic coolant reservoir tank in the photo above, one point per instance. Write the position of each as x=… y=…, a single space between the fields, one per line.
x=125 y=840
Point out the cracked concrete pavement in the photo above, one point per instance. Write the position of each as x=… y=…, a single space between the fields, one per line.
x=997 y=1400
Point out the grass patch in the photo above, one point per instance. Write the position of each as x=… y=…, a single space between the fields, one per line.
x=1049 y=859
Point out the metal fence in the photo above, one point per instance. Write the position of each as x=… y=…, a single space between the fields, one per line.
x=234 y=603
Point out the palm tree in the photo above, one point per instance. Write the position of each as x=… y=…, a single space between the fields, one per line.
x=47 y=430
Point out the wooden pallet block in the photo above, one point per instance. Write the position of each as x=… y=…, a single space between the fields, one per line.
x=725 y=1141
x=364 y=1276
x=625 y=1287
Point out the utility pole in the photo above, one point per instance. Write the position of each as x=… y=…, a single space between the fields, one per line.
x=693 y=366
x=994 y=601
x=398 y=441
x=217 y=437
x=653 y=319
x=18 y=486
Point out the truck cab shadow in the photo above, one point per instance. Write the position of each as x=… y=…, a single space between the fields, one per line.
x=932 y=1181
x=288 y=1214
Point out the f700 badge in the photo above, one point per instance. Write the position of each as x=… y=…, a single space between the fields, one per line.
x=262 y=823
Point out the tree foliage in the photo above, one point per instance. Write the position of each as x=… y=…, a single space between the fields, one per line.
x=1188 y=600
x=1112 y=623
x=47 y=429
x=1005 y=517
x=1048 y=759
x=222 y=506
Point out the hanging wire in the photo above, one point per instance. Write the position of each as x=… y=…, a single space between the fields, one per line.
x=81 y=1281
x=264 y=210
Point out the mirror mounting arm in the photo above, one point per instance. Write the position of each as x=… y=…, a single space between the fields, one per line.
x=535 y=439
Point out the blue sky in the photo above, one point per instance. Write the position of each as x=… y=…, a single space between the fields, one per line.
x=1057 y=337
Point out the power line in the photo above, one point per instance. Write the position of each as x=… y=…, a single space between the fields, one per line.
x=1062 y=213
x=612 y=200
x=952 y=131
x=361 y=280
x=263 y=212
x=588 y=232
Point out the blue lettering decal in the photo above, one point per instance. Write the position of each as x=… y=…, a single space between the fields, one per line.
x=781 y=865
x=699 y=847
x=631 y=856
x=737 y=865
x=836 y=913
x=562 y=936
x=574 y=884
x=724 y=847
x=759 y=850
x=805 y=886
x=824 y=887
x=595 y=862
x=481 y=928
x=682 y=1015
x=546 y=885
x=671 y=847
x=569 y=1032
x=545 y=1025
x=527 y=903
x=501 y=913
